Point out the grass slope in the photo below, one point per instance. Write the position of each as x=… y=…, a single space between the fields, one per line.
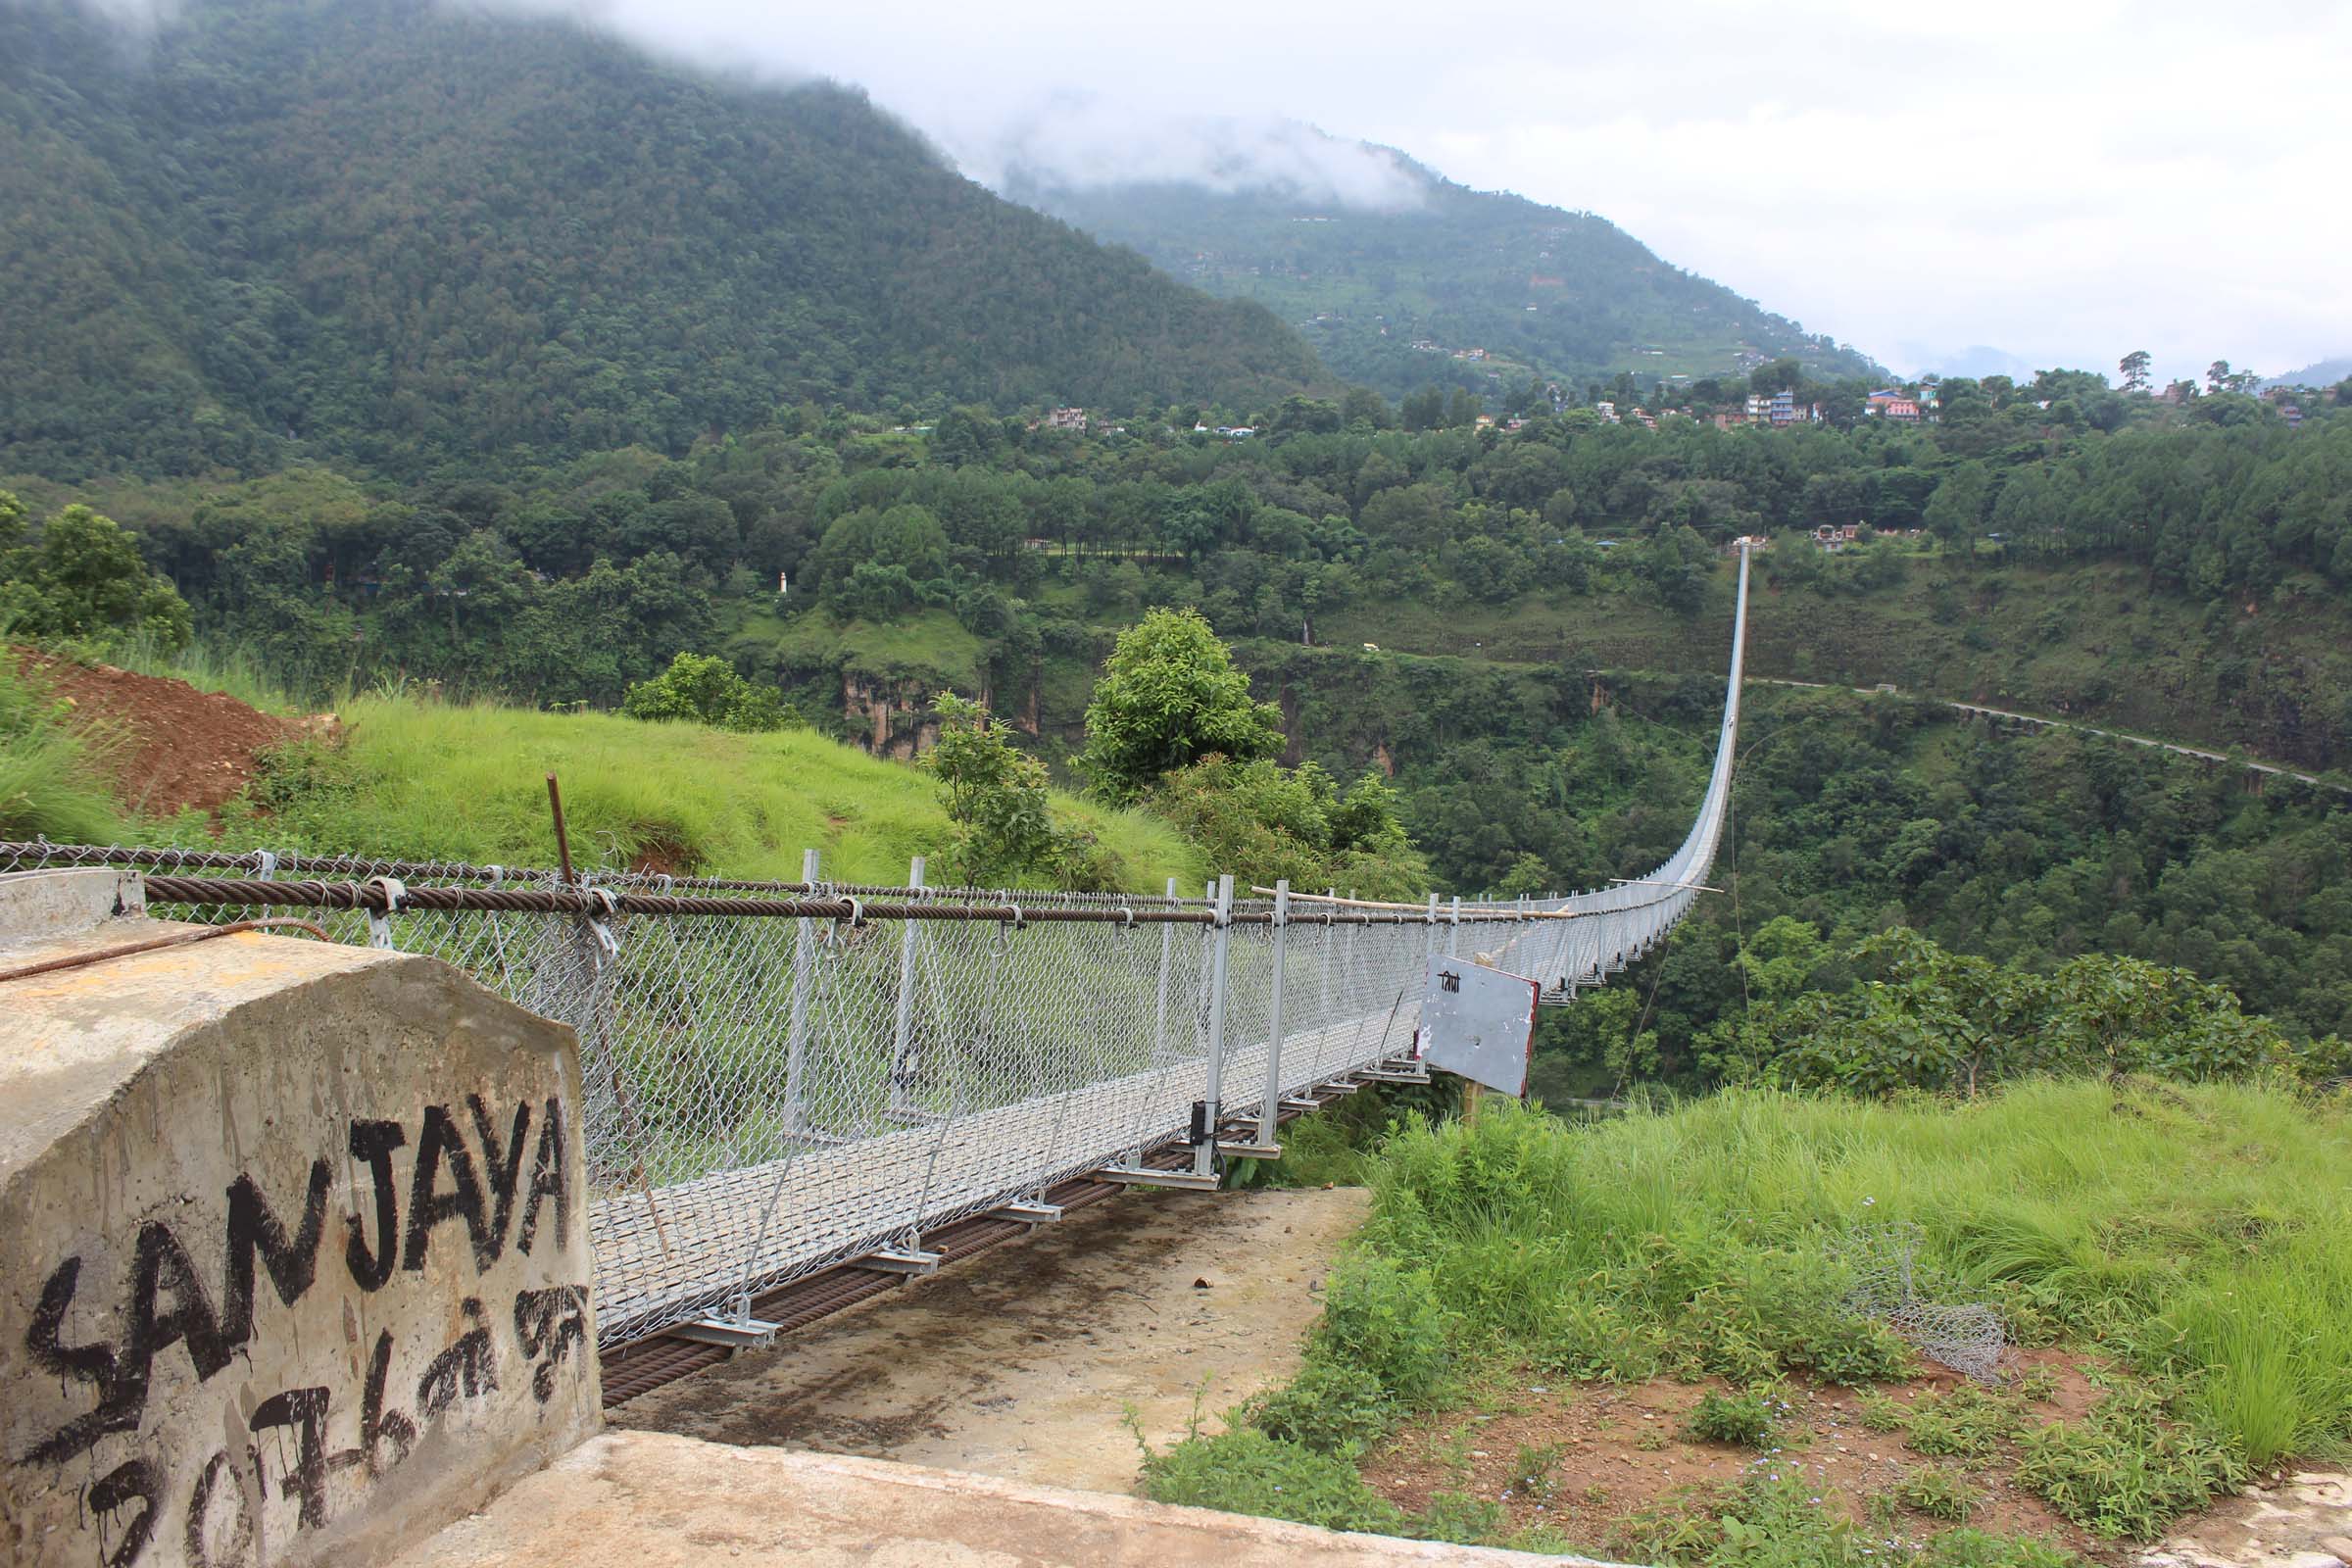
x=2196 y=1242
x=468 y=782
x=418 y=780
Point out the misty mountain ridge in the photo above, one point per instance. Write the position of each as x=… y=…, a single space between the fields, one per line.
x=2320 y=372
x=1426 y=282
x=396 y=234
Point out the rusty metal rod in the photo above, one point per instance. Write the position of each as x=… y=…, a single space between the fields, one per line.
x=554 y=804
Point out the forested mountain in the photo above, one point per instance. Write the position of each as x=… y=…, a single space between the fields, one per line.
x=1390 y=297
x=396 y=234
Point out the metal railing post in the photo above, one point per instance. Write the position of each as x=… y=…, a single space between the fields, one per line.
x=1204 y=1150
x=1453 y=938
x=903 y=1067
x=796 y=1030
x=1167 y=959
x=1272 y=1103
x=1159 y=1012
x=1330 y=948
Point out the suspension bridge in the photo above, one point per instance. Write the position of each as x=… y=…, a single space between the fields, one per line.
x=798 y=1094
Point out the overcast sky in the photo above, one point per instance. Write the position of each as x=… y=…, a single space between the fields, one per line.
x=2062 y=179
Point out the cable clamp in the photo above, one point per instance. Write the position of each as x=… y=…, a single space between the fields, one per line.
x=1019 y=919
x=857 y=912
x=1127 y=916
x=380 y=925
x=265 y=865
x=600 y=924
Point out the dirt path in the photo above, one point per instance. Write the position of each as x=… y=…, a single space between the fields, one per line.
x=1020 y=1362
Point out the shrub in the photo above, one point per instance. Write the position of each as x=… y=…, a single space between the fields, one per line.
x=707 y=691
x=1387 y=1320
x=2123 y=1469
x=1966 y=1423
x=1246 y=1471
x=1743 y=1418
x=1881 y=1413
x=1331 y=1407
x=301 y=778
x=1937 y=1491
x=1532 y=1468
x=1460 y=1517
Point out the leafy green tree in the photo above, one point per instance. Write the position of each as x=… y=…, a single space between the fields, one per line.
x=83 y=577
x=1676 y=562
x=1168 y=696
x=707 y=691
x=996 y=795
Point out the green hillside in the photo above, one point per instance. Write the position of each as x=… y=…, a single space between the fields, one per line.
x=1389 y=297
x=398 y=233
x=412 y=778
x=465 y=783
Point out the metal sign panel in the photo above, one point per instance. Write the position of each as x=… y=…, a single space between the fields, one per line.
x=1478 y=1023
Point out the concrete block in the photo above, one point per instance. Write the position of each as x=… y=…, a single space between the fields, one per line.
x=294 y=1263
x=43 y=906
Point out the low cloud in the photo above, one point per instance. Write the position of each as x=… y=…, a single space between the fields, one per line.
x=1081 y=143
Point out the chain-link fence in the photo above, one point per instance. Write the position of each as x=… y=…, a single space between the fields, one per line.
x=779 y=1077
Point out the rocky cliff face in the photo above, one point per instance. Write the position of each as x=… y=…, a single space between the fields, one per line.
x=894 y=715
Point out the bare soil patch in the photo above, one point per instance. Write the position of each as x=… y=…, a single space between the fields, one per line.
x=1021 y=1362
x=165 y=745
x=1622 y=1453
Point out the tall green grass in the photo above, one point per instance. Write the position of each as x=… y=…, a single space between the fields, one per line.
x=2203 y=1235
x=2196 y=1240
x=51 y=781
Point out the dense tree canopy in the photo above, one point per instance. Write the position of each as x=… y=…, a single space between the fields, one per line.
x=81 y=577
x=390 y=231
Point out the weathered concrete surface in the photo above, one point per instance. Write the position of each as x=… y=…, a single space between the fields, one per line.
x=42 y=907
x=2302 y=1520
x=293 y=1253
x=644 y=1500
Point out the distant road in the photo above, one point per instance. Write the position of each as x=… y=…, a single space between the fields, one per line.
x=1981 y=711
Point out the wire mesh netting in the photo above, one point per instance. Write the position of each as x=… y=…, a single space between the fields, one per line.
x=788 y=1083
x=1968 y=1337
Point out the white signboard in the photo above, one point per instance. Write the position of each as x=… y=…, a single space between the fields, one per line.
x=1478 y=1023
